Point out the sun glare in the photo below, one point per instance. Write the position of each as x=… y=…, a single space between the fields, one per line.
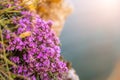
x=110 y=3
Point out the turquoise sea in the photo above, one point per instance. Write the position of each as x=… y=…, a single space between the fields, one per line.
x=91 y=37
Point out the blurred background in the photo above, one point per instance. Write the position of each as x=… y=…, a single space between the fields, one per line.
x=91 y=38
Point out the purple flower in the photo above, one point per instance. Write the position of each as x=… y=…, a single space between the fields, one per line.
x=15 y=59
x=38 y=53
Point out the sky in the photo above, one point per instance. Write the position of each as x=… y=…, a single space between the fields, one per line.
x=91 y=37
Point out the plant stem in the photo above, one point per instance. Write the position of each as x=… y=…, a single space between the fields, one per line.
x=4 y=54
x=2 y=77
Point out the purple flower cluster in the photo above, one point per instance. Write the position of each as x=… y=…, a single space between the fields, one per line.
x=37 y=55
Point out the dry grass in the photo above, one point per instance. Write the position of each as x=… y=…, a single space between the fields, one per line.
x=55 y=10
